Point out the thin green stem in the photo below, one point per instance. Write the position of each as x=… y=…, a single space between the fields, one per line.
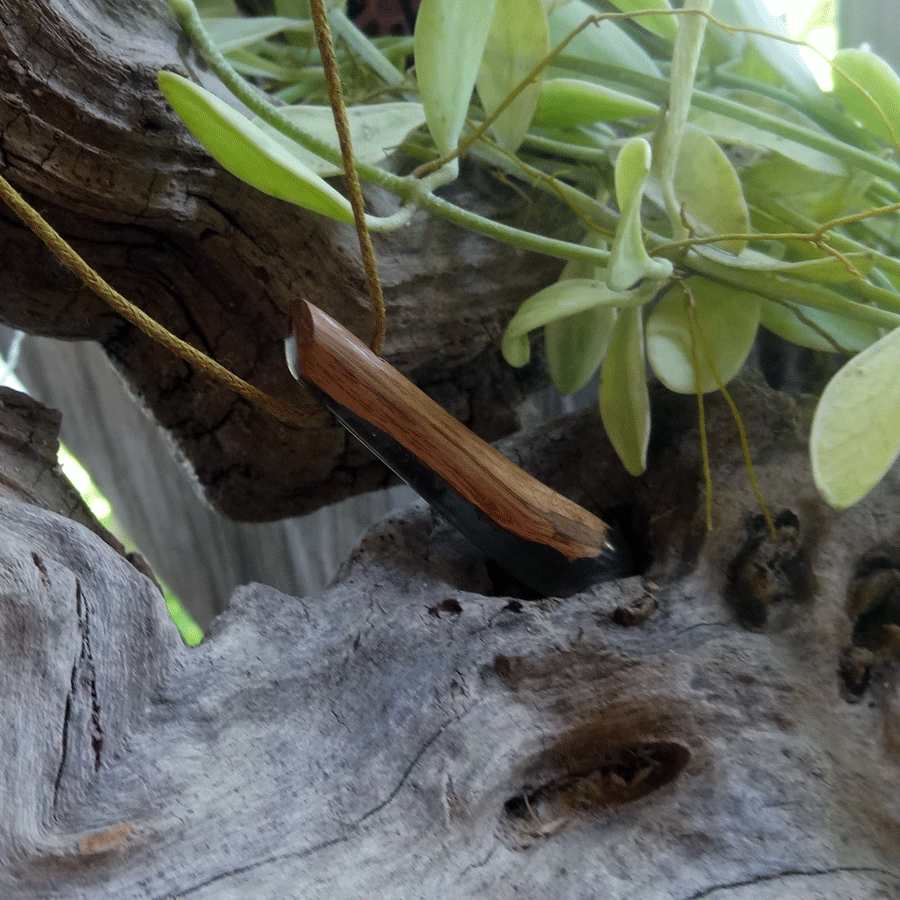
x=774 y=287
x=657 y=89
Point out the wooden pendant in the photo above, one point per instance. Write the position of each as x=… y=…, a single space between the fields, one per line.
x=543 y=539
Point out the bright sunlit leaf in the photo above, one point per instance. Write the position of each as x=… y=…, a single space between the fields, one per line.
x=855 y=435
x=449 y=42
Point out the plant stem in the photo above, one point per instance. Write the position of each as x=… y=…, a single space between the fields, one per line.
x=685 y=57
x=655 y=88
x=774 y=287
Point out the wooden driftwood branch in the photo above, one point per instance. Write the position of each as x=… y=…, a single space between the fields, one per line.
x=87 y=137
x=415 y=731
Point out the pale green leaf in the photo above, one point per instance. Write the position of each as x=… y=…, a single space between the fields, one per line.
x=254 y=65
x=879 y=112
x=709 y=190
x=375 y=131
x=517 y=42
x=448 y=45
x=234 y=33
x=248 y=152
x=850 y=335
x=567 y=102
x=727 y=320
x=855 y=434
x=576 y=345
x=783 y=59
x=731 y=131
x=605 y=43
x=823 y=269
x=629 y=261
x=624 y=399
x=565 y=298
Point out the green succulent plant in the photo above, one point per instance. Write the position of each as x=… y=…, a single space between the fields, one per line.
x=720 y=187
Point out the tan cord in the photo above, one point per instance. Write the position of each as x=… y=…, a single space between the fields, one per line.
x=286 y=412
x=336 y=97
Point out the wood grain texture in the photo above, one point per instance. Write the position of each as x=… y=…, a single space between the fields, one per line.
x=338 y=363
x=380 y=739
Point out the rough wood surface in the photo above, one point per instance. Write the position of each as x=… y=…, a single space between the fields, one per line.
x=86 y=135
x=416 y=732
x=201 y=555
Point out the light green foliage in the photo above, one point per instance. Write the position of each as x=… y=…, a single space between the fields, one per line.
x=696 y=151
x=870 y=90
x=376 y=130
x=606 y=42
x=629 y=261
x=248 y=152
x=567 y=102
x=567 y=297
x=449 y=42
x=702 y=165
x=664 y=26
x=858 y=413
x=727 y=327
x=517 y=42
x=235 y=34
x=624 y=399
x=817 y=329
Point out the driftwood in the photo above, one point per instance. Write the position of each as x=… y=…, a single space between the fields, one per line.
x=87 y=136
x=724 y=724
x=197 y=552
x=417 y=731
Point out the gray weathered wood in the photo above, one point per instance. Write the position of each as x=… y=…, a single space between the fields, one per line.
x=377 y=740
x=201 y=555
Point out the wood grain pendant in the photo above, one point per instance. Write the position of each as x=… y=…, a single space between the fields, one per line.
x=543 y=539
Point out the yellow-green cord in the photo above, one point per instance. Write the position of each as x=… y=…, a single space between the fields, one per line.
x=64 y=252
x=338 y=109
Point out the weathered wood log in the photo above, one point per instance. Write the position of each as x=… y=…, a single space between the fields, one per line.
x=415 y=731
x=86 y=135
x=201 y=555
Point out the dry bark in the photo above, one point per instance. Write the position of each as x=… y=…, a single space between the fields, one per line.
x=716 y=727
x=415 y=731
x=86 y=135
